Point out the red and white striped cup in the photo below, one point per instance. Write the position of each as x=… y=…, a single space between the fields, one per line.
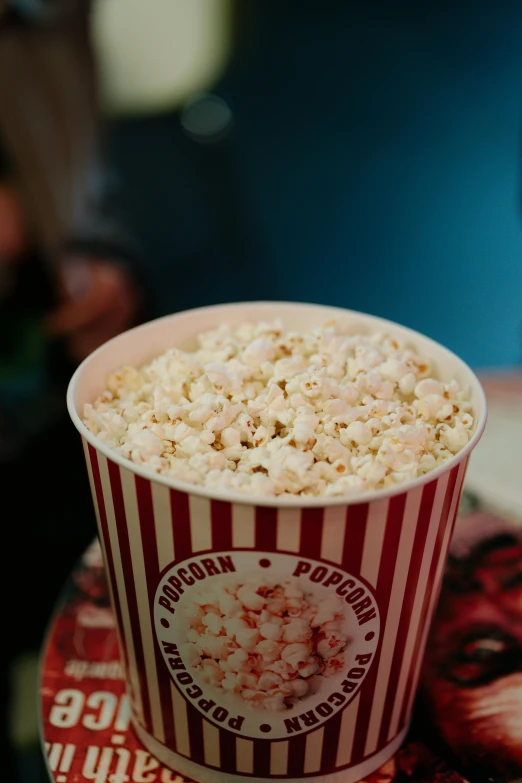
x=163 y=541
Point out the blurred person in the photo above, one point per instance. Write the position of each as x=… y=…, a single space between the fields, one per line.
x=69 y=281
x=472 y=681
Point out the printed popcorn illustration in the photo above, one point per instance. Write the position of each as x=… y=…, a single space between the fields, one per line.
x=268 y=643
x=249 y=636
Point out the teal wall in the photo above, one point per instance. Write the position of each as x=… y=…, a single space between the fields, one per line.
x=374 y=163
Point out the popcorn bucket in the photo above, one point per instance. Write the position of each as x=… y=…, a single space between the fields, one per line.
x=169 y=547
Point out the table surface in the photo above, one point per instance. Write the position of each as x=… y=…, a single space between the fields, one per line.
x=85 y=725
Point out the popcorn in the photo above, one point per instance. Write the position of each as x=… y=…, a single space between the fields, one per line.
x=296 y=654
x=282 y=668
x=210 y=672
x=250 y=598
x=308 y=667
x=296 y=630
x=271 y=631
x=266 y=656
x=192 y=654
x=212 y=622
x=330 y=646
x=248 y=638
x=238 y=661
x=268 y=650
x=358 y=432
x=263 y=411
x=454 y=438
x=218 y=647
x=327 y=611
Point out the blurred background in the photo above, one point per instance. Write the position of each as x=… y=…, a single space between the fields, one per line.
x=359 y=154
x=365 y=155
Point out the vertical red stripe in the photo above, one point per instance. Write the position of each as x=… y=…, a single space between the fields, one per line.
x=124 y=544
x=266 y=529
x=152 y=571
x=195 y=727
x=104 y=534
x=419 y=543
x=311 y=532
x=355 y=532
x=457 y=506
x=221 y=516
x=227 y=751
x=180 y=513
x=434 y=588
x=354 y=536
x=148 y=535
x=296 y=756
x=262 y=758
x=430 y=587
x=332 y=730
x=390 y=549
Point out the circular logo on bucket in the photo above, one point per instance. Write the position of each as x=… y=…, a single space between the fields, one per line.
x=267 y=645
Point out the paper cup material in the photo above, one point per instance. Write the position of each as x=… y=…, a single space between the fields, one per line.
x=164 y=542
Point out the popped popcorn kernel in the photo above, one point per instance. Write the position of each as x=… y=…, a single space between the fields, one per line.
x=260 y=410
